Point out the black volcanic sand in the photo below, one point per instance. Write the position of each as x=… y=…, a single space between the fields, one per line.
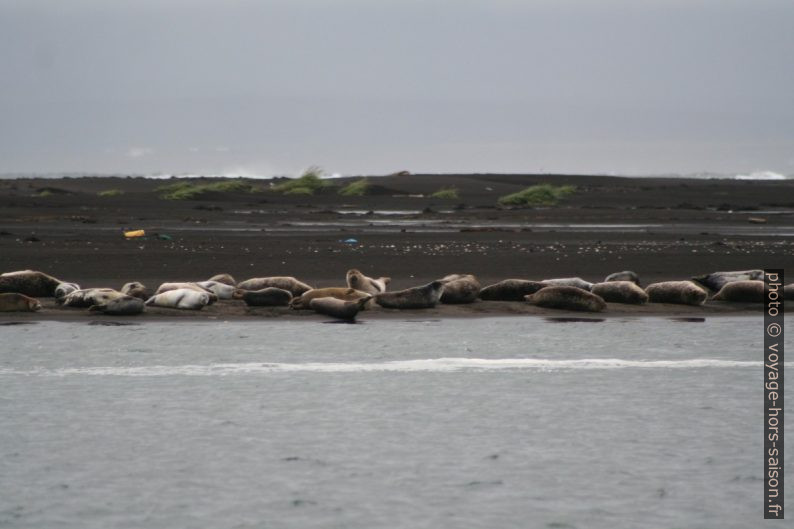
x=664 y=229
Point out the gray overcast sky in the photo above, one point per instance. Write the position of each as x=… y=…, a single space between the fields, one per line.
x=616 y=86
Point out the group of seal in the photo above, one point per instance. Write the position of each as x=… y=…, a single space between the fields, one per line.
x=18 y=290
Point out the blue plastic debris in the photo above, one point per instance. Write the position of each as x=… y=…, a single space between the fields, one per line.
x=351 y=241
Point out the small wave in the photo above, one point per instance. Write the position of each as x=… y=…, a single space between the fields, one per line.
x=434 y=365
x=761 y=175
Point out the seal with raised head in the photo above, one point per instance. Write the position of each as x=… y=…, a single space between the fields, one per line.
x=267 y=297
x=86 y=297
x=678 y=292
x=226 y=279
x=577 y=282
x=460 y=288
x=625 y=275
x=222 y=290
x=424 y=297
x=567 y=298
x=338 y=308
x=181 y=298
x=359 y=281
x=620 y=292
x=136 y=290
x=122 y=306
x=716 y=280
x=29 y=282
x=284 y=282
x=167 y=287
x=345 y=294
x=510 y=290
x=14 y=302
x=65 y=288
x=742 y=291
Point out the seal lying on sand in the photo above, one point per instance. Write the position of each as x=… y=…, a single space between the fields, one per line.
x=359 y=281
x=123 y=306
x=345 y=294
x=460 y=288
x=65 y=288
x=283 y=282
x=625 y=275
x=424 y=297
x=181 y=298
x=577 y=282
x=678 y=292
x=29 y=282
x=226 y=279
x=222 y=290
x=717 y=280
x=568 y=298
x=337 y=308
x=136 y=290
x=749 y=291
x=167 y=287
x=510 y=290
x=620 y=292
x=86 y=297
x=13 y=302
x=267 y=297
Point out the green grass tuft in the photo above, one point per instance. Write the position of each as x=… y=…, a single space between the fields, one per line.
x=110 y=193
x=308 y=184
x=355 y=189
x=537 y=195
x=446 y=193
x=187 y=190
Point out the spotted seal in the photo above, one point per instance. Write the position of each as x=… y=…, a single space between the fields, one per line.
x=14 y=302
x=577 y=282
x=460 y=288
x=742 y=291
x=424 y=297
x=226 y=279
x=180 y=298
x=222 y=290
x=30 y=283
x=620 y=292
x=65 y=288
x=86 y=297
x=567 y=298
x=510 y=290
x=625 y=275
x=136 y=290
x=359 y=281
x=283 y=282
x=121 y=306
x=167 y=287
x=345 y=294
x=338 y=308
x=716 y=280
x=678 y=292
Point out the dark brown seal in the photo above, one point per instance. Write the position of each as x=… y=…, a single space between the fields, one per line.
x=30 y=283
x=338 y=308
x=424 y=297
x=14 y=302
x=510 y=290
x=267 y=297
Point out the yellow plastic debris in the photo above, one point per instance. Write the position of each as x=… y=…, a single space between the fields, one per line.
x=134 y=233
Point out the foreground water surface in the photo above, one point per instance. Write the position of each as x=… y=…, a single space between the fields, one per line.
x=476 y=423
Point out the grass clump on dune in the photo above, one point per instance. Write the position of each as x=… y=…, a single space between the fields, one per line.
x=355 y=189
x=448 y=193
x=308 y=183
x=110 y=193
x=537 y=195
x=187 y=190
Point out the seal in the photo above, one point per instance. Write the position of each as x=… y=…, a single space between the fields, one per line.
x=716 y=280
x=167 y=287
x=29 y=282
x=678 y=292
x=226 y=279
x=625 y=275
x=424 y=297
x=359 y=281
x=122 y=306
x=510 y=290
x=567 y=298
x=345 y=294
x=13 y=302
x=460 y=288
x=620 y=292
x=86 y=297
x=222 y=290
x=284 y=282
x=180 y=298
x=65 y=288
x=136 y=290
x=267 y=297
x=337 y=308
x=577 y=282
x=742 y=291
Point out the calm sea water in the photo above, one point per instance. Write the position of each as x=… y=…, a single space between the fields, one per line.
x=475 y=423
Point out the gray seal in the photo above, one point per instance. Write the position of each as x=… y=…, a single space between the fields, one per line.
x=716 y=280
x=460 y=288
x=742 y=291
x=283 y=282
x=567 y=298
x=620 y=292
x=424 y=297
x=30 y=283
x=267 y=297
x=338 y=308
x=510 y=290
x=122 y=306
x=677 y=292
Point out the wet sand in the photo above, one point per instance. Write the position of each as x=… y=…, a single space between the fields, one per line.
x=664 y=229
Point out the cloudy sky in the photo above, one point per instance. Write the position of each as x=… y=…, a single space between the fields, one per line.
x=369 y=87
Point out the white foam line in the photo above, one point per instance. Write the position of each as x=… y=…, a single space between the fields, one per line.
x=434 y=365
